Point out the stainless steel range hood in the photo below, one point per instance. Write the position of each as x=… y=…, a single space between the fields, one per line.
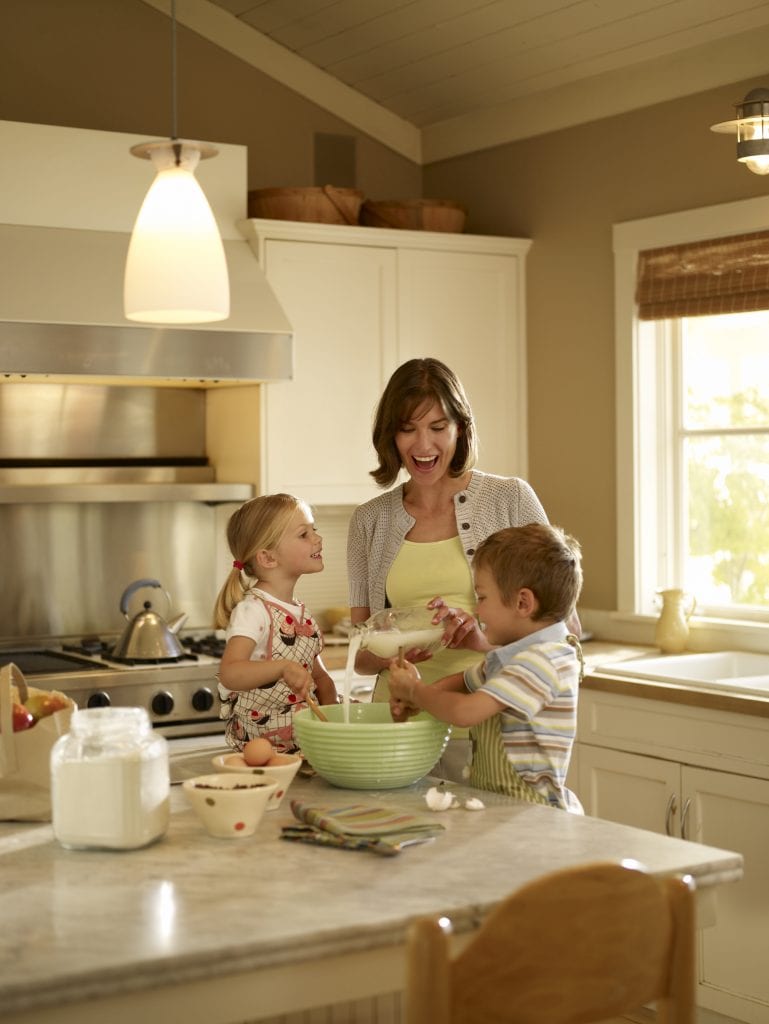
x=61 y=317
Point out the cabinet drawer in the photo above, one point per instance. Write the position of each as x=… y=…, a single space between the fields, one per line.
x=696 y=736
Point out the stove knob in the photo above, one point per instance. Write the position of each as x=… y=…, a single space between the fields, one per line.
x=99 y=700
x=203 y=700
x=162 y=703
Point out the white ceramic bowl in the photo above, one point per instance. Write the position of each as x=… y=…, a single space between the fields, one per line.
x=229 y=805
x=283 y=770
x=371 y=751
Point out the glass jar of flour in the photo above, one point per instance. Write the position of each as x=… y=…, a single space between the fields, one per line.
x=110 y=781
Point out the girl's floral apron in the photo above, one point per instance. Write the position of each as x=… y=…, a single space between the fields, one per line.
x=268 y=710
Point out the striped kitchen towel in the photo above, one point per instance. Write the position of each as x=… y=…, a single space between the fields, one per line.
x=382 y=830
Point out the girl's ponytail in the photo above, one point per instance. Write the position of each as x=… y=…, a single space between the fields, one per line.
x=231 y=593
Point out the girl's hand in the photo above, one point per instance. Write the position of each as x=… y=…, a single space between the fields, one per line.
x=297 y=678
x=461 y=628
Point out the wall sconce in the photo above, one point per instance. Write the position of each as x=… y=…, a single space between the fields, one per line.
x=752 y=129
x=176 y=269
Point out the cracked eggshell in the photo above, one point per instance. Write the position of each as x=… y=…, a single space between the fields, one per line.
x=474 y=804
x=439 y=799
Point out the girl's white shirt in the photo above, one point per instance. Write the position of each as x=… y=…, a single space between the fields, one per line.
x=251 y=618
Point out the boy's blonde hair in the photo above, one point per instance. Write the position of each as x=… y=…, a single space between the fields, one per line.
x=258 y=524
x=540 y=557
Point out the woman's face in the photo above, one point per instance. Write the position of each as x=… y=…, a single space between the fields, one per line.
x=427 y=442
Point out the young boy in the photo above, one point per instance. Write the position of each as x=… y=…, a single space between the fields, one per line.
x=521 y=701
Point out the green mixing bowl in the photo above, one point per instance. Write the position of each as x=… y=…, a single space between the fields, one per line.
x=370 y=751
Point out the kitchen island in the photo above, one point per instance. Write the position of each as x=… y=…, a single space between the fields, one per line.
x=197 y=929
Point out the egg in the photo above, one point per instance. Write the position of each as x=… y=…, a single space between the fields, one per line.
x=257 y=751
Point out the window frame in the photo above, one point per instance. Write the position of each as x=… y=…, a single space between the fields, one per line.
x=636 y=504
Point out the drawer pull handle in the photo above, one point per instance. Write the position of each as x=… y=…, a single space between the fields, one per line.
x=669 y=812
x=684 y=817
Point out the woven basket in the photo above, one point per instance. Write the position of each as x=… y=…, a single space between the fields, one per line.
x=321 y=204
x=414 y=214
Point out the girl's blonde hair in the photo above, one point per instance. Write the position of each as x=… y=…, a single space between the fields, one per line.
x=258 y=524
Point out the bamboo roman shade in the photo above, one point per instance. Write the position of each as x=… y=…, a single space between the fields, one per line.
x=721 y=275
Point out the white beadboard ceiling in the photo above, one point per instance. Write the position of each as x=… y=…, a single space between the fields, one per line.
x=437 y=78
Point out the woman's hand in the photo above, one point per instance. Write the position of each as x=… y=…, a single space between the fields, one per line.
x=461 y=628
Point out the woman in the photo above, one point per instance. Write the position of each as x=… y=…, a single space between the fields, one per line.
x=417 y=540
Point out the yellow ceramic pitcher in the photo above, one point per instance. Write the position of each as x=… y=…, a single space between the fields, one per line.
x=672 y=630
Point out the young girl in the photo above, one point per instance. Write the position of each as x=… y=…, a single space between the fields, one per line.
x=271 y=660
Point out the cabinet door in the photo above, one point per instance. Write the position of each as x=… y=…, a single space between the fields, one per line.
x=341 y=302
x=732 y=812
x=466 y=309
x=629 y=788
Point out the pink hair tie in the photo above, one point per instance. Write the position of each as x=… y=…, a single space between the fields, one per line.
x=238 y=565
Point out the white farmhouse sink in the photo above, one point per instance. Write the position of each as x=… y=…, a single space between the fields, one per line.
x=732 y=671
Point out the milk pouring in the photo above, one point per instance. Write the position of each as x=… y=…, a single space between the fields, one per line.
x=388 y=632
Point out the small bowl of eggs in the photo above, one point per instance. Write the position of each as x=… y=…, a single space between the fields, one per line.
x=259 y=759
x=229 y=806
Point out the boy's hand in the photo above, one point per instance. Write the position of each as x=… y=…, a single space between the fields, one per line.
x=400 y=712
x=403 y=678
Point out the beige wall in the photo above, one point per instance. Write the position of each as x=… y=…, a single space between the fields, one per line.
x=565 y=191
x=105 y=64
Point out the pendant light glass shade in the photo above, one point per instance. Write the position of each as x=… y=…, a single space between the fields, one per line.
x=751 y=126
x=176 y=270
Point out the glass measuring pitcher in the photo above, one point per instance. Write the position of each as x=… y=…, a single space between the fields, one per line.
x=393 y=629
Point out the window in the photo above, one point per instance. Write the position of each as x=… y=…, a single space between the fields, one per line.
x=708 y=423
x=693 y=438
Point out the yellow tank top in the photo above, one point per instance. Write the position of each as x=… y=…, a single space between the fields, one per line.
x=419 y=573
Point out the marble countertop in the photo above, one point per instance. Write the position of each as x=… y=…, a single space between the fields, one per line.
x=83 y=924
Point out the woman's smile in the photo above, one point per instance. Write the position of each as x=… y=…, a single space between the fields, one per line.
x=424 y=464
x=428 y=441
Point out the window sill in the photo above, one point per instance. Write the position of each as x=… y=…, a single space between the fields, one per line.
x=704 y=634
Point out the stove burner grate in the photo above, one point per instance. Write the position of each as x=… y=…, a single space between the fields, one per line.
x=210 y=644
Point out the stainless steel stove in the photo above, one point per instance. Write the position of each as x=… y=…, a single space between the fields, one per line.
x=180 y=695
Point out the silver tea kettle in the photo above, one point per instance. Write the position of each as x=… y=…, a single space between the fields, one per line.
x=148 y=637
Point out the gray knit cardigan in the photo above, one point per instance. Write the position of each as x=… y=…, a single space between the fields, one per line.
x=379 y=527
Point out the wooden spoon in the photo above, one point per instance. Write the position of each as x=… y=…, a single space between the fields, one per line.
x=315 y=708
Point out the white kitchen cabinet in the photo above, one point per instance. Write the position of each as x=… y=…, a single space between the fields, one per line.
x=702 y=775
x=361 y=302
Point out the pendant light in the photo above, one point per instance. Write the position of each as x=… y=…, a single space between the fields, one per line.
x=752 y=129
x=176 y=270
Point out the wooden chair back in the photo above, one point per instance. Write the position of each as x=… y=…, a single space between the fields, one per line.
x=575 y=946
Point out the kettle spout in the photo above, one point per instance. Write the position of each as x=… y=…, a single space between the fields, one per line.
x=176 y=624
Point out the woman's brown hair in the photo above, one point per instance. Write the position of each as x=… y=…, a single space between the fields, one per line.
x=415 y=384
x=258 y=524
